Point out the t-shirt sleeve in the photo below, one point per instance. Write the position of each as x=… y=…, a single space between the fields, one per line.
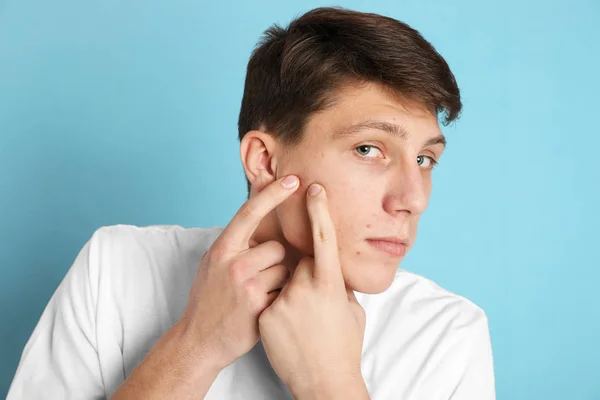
x=60 y=359
x=465 y=370
x=477 y=381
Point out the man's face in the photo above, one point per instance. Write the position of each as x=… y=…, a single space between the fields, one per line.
x=373 y=154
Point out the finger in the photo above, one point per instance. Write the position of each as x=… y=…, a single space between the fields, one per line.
x=263 y=256
x=237 y=233
x=327 y=265
x=273 y=278
x=303 y=271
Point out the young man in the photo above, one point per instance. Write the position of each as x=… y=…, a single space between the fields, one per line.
x=299 y=295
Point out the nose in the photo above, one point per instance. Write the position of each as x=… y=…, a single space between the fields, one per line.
x=408 y=191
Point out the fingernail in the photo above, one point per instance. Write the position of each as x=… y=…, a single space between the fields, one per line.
x=289 y=182
x=314 y=189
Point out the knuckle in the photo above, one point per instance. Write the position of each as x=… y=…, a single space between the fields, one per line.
x=253 y=295
x=215 y=254
x=251 y=288
x=237 y=270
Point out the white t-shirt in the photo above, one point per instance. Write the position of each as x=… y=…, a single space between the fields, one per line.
x=129 y=285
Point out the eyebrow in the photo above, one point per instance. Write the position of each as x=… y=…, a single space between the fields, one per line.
x=392 y=129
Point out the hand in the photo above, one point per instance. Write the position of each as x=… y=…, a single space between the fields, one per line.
x=236 y=281
x=313 y=332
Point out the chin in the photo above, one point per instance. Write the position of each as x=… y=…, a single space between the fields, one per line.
x=369 y=277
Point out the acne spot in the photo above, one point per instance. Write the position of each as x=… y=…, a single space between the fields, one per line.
x=358 y=253
x=368 y=225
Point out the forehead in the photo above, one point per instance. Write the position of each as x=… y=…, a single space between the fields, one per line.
x=355 y=105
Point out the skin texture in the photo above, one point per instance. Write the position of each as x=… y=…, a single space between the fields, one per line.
x=381 y=194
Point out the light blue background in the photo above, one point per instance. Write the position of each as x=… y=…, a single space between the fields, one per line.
x=126 y=111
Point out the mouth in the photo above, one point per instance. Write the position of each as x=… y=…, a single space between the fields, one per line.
x=395 y=247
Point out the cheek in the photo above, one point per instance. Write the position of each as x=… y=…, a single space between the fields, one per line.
x=351 y=194
x=353 y=204
x=294 y=221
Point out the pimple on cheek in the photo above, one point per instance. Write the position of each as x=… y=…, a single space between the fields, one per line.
x=368 y=225
x=358 y=253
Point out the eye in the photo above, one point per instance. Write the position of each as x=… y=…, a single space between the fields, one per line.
x=367 y=151
x=426 y=162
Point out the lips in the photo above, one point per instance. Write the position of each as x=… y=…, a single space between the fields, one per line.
x=395 y=247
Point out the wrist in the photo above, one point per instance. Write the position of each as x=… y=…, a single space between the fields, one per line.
x=174 y=368
x=193 y=352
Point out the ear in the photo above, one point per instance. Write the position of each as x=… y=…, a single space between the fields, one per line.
x=258 y=155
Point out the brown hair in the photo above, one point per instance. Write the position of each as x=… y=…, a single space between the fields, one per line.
x=294 y=72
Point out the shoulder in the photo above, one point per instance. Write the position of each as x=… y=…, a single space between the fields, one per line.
x=425 y=295
x=119 y=235
x=419 y=296
x=127 y=256
x=142 y=275
x=130 y=242
x=425 y=334
x=417 y=311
